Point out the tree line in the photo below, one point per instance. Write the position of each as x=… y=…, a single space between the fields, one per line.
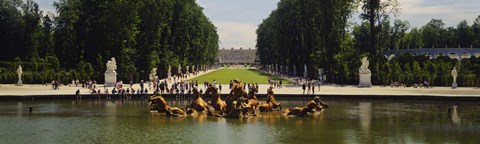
x=321 y=35
x=84 y=34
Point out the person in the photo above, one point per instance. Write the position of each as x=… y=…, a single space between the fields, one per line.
x=313 y=89
x=53 y=84
x=162 y=87
x=220 y=87
x=77 y=94
x=303 y=87
x=308 y=88
x=319 y=84
x=141 y=84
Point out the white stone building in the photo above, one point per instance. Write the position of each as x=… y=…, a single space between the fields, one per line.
x=237 y=56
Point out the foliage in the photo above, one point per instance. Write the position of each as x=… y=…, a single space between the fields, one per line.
x=76 y=44
x=311 y=33
x=317 y=34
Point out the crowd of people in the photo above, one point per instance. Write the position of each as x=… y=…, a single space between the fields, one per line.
x=309 y=86
x=178 y=86
x=174 y=85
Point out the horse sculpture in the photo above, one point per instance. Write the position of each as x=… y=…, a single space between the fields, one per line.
x=235 y=105
x=252 y=102
x=217 y=103
x=198 y=104
x=271 y=103
x=314 y=105
x=159 y=104
x=235 y=99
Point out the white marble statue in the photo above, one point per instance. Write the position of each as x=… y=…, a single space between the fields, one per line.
x=111 y=65
x=305 y=72
x=294 y=70
x=454 y=76
x=110 y=73
x=19 y=72
x=179 y=69
x=153 y=73
x=364 y=66
x=320 y=73
x=365 y=75
x=169 y=71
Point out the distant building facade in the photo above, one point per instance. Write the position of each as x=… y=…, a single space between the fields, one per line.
x=237 y=56
x=453 y=53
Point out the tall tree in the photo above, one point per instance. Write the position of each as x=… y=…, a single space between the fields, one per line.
x=377 y=12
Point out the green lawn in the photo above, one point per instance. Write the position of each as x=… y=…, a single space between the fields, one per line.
x=223 y=76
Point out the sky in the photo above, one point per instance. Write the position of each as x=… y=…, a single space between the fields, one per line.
x=237 y=20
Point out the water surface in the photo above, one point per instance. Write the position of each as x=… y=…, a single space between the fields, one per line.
x=347 y=121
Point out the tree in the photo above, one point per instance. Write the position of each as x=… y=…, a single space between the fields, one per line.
x=11 y=30
x=464 y=35
x=432 y=33
x=476 y=31
x=377 y=12
x=47 y=48
x=306 y=33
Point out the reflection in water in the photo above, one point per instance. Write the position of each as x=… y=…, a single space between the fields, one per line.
x=454 y=115
x=365 y=113
x=19 y=109
x=110 y=111
x=107 y=121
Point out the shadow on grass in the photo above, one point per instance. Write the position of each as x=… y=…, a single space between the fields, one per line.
x=265 y=74
x=259 y=72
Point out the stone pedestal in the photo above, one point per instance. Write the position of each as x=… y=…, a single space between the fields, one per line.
x=110 y=79
x=454 y=85
x=19 y=83
x=365 y=80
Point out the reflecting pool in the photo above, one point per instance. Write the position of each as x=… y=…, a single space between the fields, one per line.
x=347 y=121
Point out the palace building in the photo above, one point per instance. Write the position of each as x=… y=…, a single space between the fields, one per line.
x=453 y=53
x=237 y=56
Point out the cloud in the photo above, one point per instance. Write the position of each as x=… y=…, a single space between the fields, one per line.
x=46 y=6
x=420 y=12
x=236 y=34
